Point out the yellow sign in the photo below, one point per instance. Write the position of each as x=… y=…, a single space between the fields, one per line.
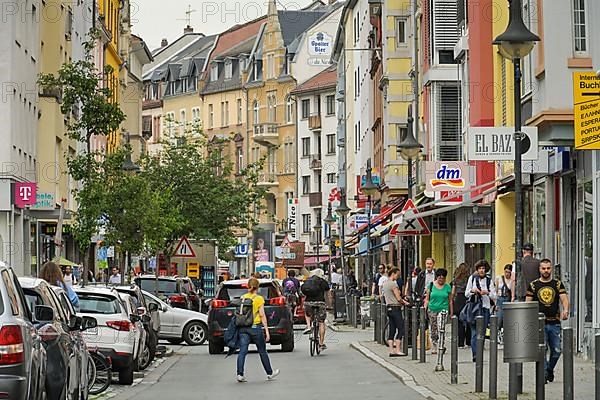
x=193 y=270
x=586 y=109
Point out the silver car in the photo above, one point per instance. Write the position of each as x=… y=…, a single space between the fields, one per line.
x=177 y=324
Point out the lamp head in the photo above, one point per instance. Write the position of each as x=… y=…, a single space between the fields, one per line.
x=517 y=40
x=343 y=210
x=369 y=188
x=409 y=148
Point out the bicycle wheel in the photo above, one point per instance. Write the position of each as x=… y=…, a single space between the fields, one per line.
x=316 y=336
x=103 y=373
x=311 y=344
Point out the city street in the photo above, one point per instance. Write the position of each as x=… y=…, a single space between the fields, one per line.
x=191 y=373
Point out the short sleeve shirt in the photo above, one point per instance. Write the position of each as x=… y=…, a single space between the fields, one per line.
x=257 y=302
x=388 y=292
x=547 y=295
x=439 y=298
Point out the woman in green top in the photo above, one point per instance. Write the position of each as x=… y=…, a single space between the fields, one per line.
x=438 y=299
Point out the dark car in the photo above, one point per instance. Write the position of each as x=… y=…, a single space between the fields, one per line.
x=167 y=288
x=192 y=293
x=279 y=315
x=65 y=355
x=23 y=361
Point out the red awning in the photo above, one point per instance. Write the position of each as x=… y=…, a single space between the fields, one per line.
x=381 y=217
x=313 y=260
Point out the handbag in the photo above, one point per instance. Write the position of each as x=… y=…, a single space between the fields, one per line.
x=470 y=311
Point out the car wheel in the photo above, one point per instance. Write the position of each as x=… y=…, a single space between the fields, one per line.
x=144 y=360
x=175 y=341
x=126 y=375
x=288 y=345
x=194 y=333
x=215 y=348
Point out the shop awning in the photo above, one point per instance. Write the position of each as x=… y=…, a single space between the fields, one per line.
x=313 y=260
x=376 y=221
x=373 y=249
x=64 y=262
x=382 y=229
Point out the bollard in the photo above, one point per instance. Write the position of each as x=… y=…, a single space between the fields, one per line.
x=406 y=315
x=376 y=320
x=540 y=373
x=422 y=334
x=568 y=363
x=597 y=365
x=513 y=389
x=479 y=354
x=493 y=384
x=384 y=324
x=354 y=311
x=454 y=352
x=413 y=315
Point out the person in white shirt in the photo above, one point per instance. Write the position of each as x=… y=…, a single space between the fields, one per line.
x=480 y=288
x=68 y=276
x=115 y=278
x=336 y=277
x=382 y=280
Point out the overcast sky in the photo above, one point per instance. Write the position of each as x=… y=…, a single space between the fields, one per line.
x=154 y=20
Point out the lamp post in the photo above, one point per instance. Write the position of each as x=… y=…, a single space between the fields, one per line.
x=329 y=221
x=318 y=228
x=131 y=168
x=343 y=210
x=409 y=149
x=515 y=43
x=370 y=189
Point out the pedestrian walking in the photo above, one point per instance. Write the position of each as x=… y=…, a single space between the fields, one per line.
x=438 y=298
x=394 y=302
x=382 y=280
x=504 y=292
x=115 y=278
x=459 y=286
x=551 y=296
x=530 y=266
x=257 y=333
x=375 y=286
x=52 y=274
x=480 y=289
x=425 y=278
x=68 y=277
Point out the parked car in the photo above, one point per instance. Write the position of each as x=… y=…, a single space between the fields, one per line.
x=141 y=353
x=149 y=318
x=168 y=288
x=192 y=293
x=23 y=361
x=177 y=325
x=279 y=315
x=115 y=335
x=66 y=357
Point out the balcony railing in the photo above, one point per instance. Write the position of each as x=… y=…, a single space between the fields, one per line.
x=267 y=179
x=266 y=133
x=315 y=199
x=315 y=161
x=314 y=122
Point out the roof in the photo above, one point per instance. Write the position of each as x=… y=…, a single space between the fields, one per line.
x=169 y=278
x=325 y=79
x=95 y=289
x=295 y=22
x=244 y=281
x=222 y=84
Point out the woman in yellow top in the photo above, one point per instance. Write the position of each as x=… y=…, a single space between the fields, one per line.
x=254 y=334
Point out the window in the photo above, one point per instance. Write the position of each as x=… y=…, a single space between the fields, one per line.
x=306 y=228
x=445 y=30
x=401 y=39
x=305 y=147
x=580 y=26
x=271 y=66
x=239 y=160
x=272 y=106
x=305 y=184
x=289 y=156
x=224 y=113
x=239 y=111
x=170 y=122
x=214 y=73
x=331 y=143
x=256 y=110
x=211 y=116
x=228 y=70
x=196 y=115
x=305 y=108
x=331 y=105
x=289 y=110
x=331 y=177
x=182 y=121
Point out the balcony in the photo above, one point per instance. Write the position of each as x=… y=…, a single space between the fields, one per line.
x=267 y=180
x=315 y=199
x=314 y=122
x=315 y=161
x=267 y=134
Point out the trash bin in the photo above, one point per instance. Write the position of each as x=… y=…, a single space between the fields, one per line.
x=339 y=304
x=520 y=332
x=366 y=305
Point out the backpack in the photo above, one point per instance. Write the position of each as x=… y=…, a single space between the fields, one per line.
x=506 y=292
x=311 y=287
x=289 y=287
x=488 y=280
x=244 y=312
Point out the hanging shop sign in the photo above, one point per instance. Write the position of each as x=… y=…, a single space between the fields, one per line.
x=447 y=175
x=490 y=143
x=586 y=110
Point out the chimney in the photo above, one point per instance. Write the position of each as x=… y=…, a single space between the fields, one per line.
x=188 y=29
x=164 y=43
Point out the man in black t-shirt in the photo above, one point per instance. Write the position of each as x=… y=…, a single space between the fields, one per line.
x=315 y=289
x=551 y=295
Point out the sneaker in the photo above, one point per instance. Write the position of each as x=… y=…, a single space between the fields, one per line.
x=323 y=347
x=273 y=375
x=550 y=376
x=306 y=331
x=241 y=379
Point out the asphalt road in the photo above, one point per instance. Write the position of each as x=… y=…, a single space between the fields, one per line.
x=338 y=373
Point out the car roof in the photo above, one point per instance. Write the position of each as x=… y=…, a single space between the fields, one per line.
x=170 y=278
x=30 y=283
x=96 y=290
x=245 y=281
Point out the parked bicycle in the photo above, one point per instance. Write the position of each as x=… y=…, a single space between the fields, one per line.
x=99 y=372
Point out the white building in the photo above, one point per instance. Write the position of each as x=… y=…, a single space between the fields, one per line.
x=19 y=67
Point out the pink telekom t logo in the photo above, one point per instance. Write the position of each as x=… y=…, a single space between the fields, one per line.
x=25 y=194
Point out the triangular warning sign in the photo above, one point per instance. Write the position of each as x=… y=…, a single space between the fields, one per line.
x=407 y=225
x=184 y=249
x=286 y=242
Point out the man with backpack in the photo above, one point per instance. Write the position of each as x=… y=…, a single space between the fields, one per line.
x=480 y=289
x=315 y=289
x=291 y=287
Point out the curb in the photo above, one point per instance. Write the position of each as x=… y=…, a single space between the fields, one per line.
x=398 y=372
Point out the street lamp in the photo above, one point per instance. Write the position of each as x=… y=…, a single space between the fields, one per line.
x=329 y=221
x=370 y=189
x=409 y=149
x=343 y=210
x=318 y=228
x=128 y=164
x=515 y=43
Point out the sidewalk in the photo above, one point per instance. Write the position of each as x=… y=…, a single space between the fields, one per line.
x=437 y=385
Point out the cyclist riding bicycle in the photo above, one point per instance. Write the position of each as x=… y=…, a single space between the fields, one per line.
x=291 y=288
x=315 y=289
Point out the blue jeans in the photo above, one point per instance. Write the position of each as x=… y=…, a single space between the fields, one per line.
x=500 y=311
x=486 y=321
x=552 y=336
x=253 y=334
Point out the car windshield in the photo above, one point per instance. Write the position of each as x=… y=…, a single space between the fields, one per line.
x=164 y=285
x=98 y=304
x=230 y=292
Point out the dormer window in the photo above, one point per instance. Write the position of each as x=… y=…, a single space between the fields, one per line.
x=214 y=72
x=228 y=70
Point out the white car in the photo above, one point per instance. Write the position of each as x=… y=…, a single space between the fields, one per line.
x=141 y=352
x=178 y=324
x=115 y=336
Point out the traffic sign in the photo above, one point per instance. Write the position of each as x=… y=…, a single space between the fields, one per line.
x=184 y=249
x=241 y=250
x=407 y=225
x=586 y=109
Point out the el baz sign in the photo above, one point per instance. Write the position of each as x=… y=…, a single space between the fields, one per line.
x=497 y=143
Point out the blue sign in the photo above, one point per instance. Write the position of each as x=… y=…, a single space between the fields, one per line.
x=241 y=250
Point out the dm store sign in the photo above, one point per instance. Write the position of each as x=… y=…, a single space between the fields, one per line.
x=319 y=48
x=444 y=176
